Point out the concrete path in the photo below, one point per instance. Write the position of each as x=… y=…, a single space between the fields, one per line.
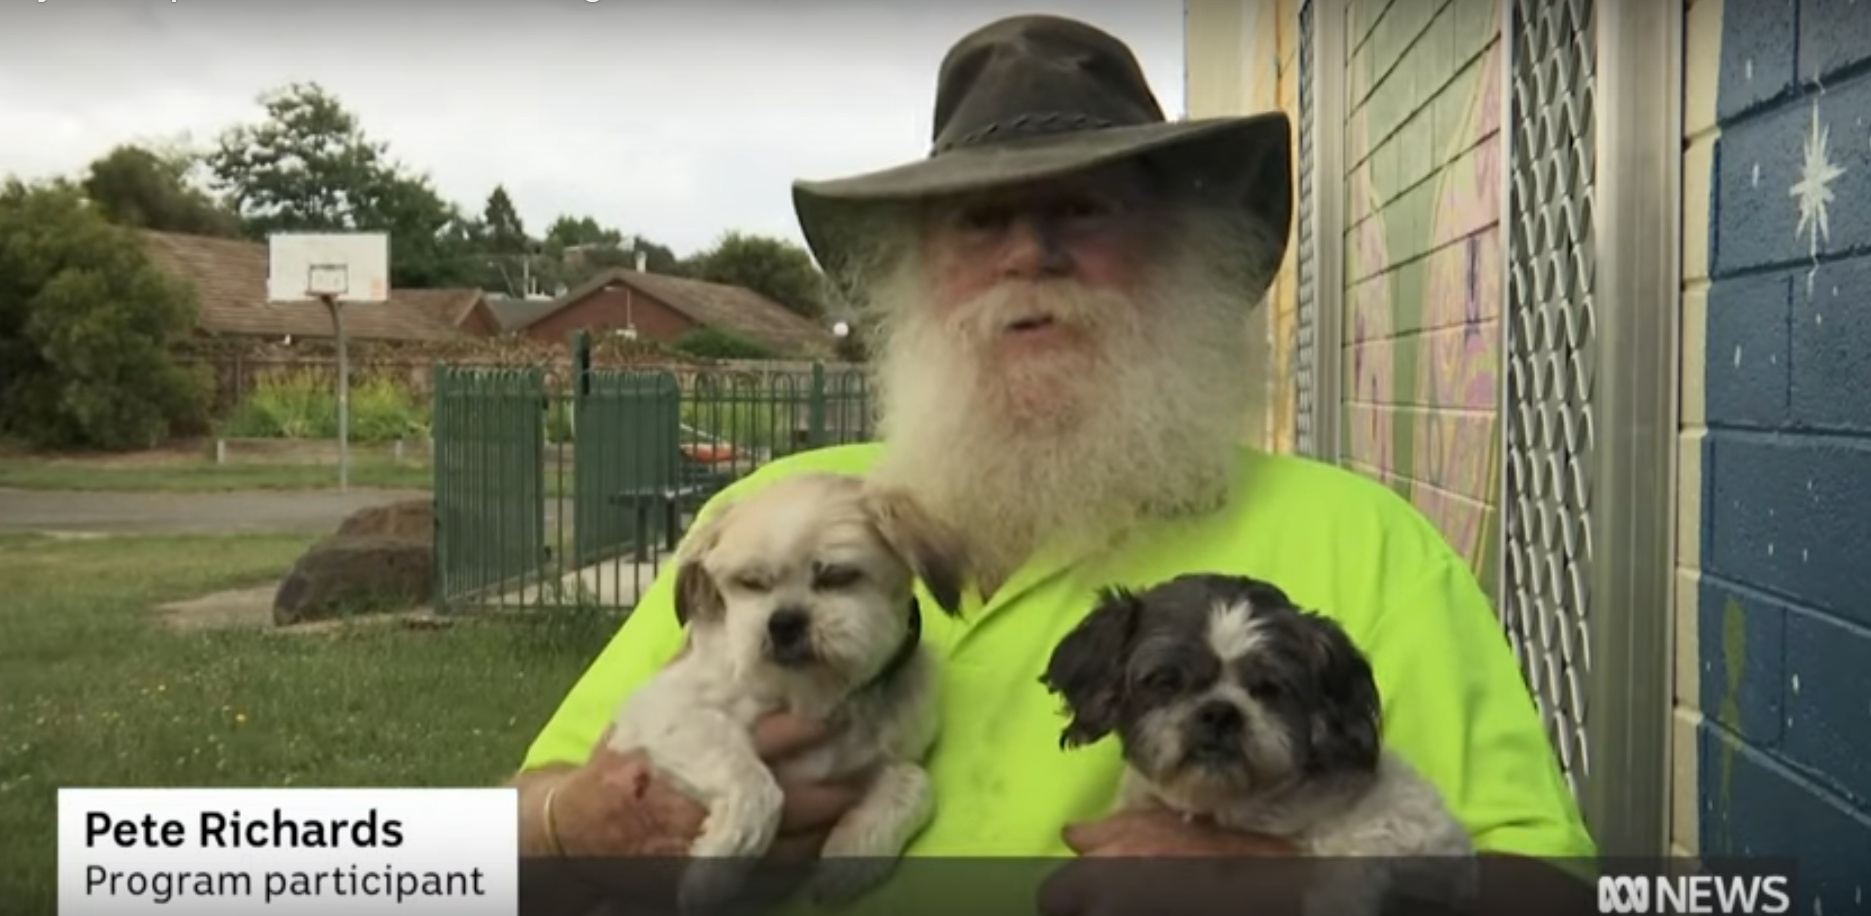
x=285 y=510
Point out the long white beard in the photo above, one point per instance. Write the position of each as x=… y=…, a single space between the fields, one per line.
x=1073 y=445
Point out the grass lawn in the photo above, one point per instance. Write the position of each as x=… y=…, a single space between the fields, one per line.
x=93 y=692
x=200 y=476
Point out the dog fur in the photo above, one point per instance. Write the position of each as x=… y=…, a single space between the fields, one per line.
x=1234 y=705
x=800 y=598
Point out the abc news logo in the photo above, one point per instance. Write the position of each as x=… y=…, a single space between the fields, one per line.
x=1694 y=894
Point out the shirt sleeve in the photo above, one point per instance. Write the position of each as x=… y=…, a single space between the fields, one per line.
x=1459 y=710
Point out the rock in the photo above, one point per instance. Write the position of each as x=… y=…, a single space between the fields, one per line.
x=355 y=573
x=410 y=519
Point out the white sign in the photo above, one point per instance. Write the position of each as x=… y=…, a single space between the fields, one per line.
x=362 y=852
x=1694 y=894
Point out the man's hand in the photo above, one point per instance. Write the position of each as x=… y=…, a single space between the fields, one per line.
x=615 y=808
x=1174 y=865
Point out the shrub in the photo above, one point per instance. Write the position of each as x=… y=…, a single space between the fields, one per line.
x=86 y=323
x=714 y=343
x=303 y=405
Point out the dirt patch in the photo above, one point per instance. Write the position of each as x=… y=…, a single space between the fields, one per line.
x=252 y=608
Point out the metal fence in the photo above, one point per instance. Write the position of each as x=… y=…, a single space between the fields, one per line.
x=552 y=499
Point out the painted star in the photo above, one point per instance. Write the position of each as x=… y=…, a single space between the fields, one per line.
x=1814 y=189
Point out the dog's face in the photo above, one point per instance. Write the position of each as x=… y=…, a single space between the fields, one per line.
x=813 y=575
x=1219 y=688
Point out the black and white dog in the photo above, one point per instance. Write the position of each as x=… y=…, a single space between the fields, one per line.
x=1236 y=706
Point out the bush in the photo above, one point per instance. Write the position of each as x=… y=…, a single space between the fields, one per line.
x=714 y=343
x=303 y=405
x=86 y=327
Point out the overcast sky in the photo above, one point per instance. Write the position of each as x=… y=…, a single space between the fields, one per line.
x=675 y=119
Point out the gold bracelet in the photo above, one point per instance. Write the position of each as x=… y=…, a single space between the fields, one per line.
x=551 y=828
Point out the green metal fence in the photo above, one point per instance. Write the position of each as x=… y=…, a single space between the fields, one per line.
x=547 y=498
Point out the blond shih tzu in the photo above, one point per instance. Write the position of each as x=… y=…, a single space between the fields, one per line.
x=800 y=598
x=1236 y=707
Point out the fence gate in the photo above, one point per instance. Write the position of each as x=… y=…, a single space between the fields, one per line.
x=625 y=462
x=1585 y=502
x=489 y=482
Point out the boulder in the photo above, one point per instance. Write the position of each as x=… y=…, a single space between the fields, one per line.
x=410 y=519
x=355 y=573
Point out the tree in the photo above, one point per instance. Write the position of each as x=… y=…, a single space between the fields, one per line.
x=775 y=268
x=506 y=234
x=150 y=189
x=86 y=322
x=578 y=248
x=305 y=166
x=309 y=166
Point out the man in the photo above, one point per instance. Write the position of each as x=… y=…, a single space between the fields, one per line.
x=1059 y=296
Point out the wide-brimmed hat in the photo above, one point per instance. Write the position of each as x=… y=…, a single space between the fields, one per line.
x=1035 y=97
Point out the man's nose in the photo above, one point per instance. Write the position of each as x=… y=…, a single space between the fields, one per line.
x=1033 y=250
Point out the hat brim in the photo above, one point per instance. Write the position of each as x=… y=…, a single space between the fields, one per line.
x=1243 y=163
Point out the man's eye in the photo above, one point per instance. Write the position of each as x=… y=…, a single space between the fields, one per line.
x=1085 y=208
x=982 y=219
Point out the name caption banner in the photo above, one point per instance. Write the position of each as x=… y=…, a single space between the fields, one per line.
x=364 y=852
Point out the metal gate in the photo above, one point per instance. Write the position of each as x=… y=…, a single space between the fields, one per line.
x=625 y=462
x=1584 y=584
x=490 y=481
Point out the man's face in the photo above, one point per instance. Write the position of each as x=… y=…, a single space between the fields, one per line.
x=1062 y=356
x=1038 y=277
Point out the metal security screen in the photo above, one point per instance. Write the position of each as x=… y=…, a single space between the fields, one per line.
x=1551 y=361
x=1305 y=358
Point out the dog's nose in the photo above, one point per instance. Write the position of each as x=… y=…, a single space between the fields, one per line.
x=1219 y=719
x=787 y=626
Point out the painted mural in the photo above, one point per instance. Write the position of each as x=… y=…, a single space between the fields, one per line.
x=1423 y=262
x=1782 y=627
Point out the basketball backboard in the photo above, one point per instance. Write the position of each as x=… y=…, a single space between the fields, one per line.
x=348 y=266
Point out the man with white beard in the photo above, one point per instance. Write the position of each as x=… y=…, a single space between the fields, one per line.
x=1059 y=297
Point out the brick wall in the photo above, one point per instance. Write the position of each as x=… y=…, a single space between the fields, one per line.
x=1423 y=260
x=1774 y=635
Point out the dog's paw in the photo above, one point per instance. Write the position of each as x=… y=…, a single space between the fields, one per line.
x=837 y=880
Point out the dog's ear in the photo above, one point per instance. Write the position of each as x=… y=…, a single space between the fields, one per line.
x=1347 y=715
x=932 y=549
x=697 y=597
x=1087 y=667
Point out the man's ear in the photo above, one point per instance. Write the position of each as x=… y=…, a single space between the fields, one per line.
x=697 y=597
x=1347 y=719
x=1087 y=667
x=933 y=551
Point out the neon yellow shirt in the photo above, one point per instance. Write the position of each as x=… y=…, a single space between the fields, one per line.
x=1455 y=704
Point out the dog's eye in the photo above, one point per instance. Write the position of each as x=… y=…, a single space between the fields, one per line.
x=834 y=577
x=1264 y=690
x=750 y=583
x=1166 y=680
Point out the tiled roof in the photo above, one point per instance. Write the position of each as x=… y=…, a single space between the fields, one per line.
x=516 y=313
x=729 y=308
x=229 y=276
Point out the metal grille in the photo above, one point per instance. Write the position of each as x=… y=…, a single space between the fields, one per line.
x=1304 y=326
x=1551 y=351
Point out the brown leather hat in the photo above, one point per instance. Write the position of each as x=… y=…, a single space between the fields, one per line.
x=1035 y=97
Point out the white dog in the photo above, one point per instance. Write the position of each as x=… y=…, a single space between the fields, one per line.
x=1234 y=705
x=800 y=598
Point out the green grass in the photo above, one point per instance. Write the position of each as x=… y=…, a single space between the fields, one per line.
x=95 y=692
x=203 y=476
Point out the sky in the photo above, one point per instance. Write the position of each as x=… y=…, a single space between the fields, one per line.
x=677 y=120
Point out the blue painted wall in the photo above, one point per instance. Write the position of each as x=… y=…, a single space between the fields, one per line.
x=1784 y=627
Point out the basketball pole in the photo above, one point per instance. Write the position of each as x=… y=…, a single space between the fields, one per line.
x=344 y=391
